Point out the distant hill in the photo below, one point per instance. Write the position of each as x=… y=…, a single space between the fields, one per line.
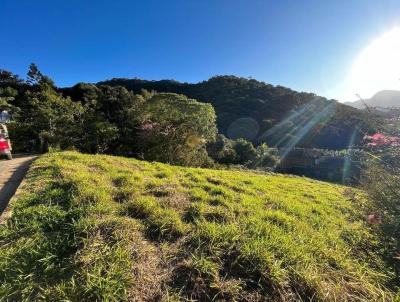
x=382 y=99
x=262 y=112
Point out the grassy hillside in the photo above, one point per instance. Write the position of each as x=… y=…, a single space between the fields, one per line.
x=250 y=109
x=104 y=228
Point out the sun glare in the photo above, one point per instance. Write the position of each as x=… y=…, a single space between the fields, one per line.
x=377 y=67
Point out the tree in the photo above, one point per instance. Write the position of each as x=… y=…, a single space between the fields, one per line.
x=265 y=158
x=222 y=150
x=45 y=118
x=51 y=118
x=175 y=129
x=245 y=151
x=35 y=77
x=97 y=136
x=7 y=97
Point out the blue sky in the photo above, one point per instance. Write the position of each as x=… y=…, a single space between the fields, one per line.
x=305 y=45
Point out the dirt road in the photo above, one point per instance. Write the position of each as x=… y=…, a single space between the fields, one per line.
x=12 y=173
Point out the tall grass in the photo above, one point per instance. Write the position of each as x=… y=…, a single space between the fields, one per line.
x=102 y=228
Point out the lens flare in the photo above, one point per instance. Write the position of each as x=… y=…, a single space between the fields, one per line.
x=376 y=68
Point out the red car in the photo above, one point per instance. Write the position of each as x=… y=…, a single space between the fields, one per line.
x=5 y=145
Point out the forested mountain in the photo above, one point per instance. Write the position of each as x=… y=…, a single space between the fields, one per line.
x=261 y=112
x=165 y=127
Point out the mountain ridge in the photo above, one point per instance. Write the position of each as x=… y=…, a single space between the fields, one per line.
x=262 y=112
x=381 y=99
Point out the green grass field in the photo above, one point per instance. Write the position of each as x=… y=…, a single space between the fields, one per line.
x=102 y=228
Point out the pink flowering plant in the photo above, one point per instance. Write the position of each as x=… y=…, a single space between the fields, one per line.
x=382 y=140
x=382 y=183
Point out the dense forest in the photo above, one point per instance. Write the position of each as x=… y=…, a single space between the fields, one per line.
x=166 y=127
x=225 y=120
x=260 y=112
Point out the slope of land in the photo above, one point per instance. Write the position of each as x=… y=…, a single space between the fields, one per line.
x=103 y=228
x=261 y=112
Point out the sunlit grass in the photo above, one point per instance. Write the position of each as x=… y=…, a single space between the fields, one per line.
x=112 y=229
